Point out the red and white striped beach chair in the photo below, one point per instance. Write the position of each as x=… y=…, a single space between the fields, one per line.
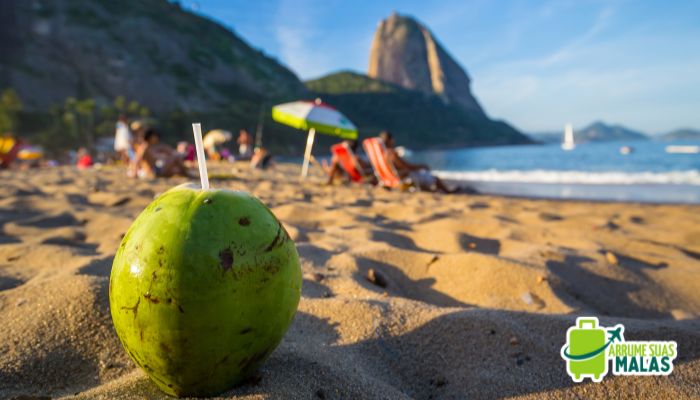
x=347 y=159
x=383 y=169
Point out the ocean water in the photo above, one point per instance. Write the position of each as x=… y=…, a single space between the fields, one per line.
x=593 y=171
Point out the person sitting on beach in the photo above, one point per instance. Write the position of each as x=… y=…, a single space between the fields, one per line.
x=262 y=159
x=418 y=173
x=245 y=145
x=213 y=143
x=336 y=170
x=187 y=152
x=84 y=159
x=155 y=159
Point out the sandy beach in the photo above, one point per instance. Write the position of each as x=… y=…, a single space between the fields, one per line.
x=405 y=295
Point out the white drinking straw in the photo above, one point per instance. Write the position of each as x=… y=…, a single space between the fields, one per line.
x=201 y=161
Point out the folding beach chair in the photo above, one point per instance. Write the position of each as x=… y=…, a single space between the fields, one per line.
x=348 y=161
x=383 y=169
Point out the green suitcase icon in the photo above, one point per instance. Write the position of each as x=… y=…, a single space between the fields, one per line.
x=587 y=338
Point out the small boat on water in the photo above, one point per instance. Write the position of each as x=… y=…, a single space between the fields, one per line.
x=568 y=143
x=680 y=149
x=625 y=150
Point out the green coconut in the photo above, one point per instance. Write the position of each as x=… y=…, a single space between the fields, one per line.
x=203 y=287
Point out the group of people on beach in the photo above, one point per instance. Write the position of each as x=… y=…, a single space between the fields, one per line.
x=140 y=148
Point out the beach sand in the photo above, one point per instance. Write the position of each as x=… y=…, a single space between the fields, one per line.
x=470 y=295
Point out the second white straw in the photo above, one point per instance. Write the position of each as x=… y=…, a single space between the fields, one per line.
x=201 y=161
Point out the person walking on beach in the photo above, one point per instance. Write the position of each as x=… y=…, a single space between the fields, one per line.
x=418 y=173
x=123 y=140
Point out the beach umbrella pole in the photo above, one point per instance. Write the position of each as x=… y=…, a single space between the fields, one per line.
x=307 y=152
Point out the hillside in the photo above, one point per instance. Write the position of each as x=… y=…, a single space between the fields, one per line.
x=417 y=119
x=602 y=132
x=71 y=62
x=681 y=134
x=151 y=51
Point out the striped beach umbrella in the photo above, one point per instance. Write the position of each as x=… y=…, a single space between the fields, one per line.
x=314 y=116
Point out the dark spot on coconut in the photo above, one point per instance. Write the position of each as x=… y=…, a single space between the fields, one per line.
x=134 y=309
x=168 y=300
x=151 y=298
x=164 y=347
x=244 y=221
x=246 y=330
x=161 y=249
x=223 y=360
x=271 y=268
x=207 y=200
x=277 y=240
x=157 y=209
x=170 y=385
x=254 y=380
x=254 y=359
x=141 y=334
x=179 y=307
x=226 y=259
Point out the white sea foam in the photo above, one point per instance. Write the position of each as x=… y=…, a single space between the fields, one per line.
x=691 y=177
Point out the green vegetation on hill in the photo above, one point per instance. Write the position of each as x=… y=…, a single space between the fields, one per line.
x=418 y=120
x=350 y=82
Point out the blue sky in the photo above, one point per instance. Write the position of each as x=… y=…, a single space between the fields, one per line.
x=536 y=64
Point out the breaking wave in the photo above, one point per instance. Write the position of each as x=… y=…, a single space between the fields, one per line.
x=691 y=177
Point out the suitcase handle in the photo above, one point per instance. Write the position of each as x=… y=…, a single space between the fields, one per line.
x=586 y=323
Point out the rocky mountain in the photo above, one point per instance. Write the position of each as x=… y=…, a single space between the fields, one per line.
x=406 y=53
x=596 y=132
x=418 y=120
x=151 y=51
x=681 y=134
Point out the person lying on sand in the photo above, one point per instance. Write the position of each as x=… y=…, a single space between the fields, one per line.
x=155 y=159
x=262 y=159
x=418 y=173
x=336 y=169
